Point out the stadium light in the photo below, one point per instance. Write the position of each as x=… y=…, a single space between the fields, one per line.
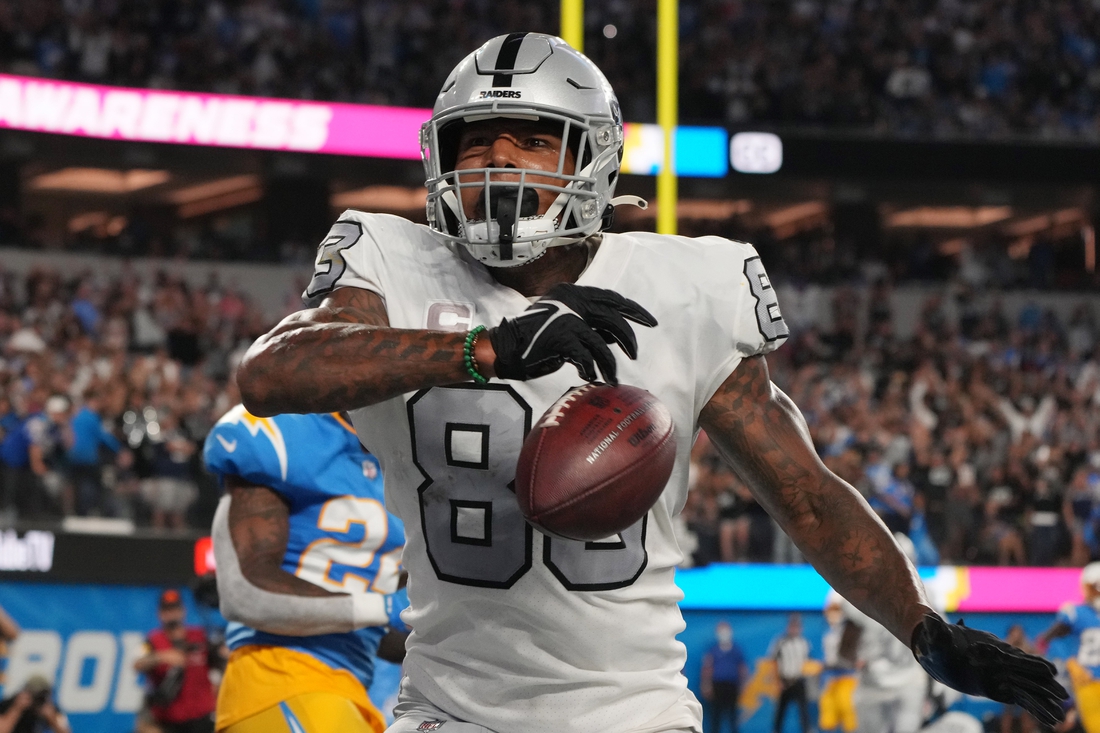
x=209 y=189
x=381 y=198
x=949 y=217
x=99 y=180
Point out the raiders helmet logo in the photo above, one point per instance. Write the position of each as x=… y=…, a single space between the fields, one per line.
x=500 y=94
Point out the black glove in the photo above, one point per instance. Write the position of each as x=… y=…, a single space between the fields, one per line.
x=978 y=663
x=571 y=323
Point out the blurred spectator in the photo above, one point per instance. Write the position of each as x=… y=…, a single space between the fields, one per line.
x=18 y=478
x=177 y=666
x=723 y=673
x=701 y=513
x=84 y=458
x=894 y=501
x=839 y=678
x=932 y=477
x=1045 y=520
x=927 y=553
x=791 y=652
x=1003 y=515
x=33 y=710
x=169 y=489
x=1080 y=502
x=46 y=439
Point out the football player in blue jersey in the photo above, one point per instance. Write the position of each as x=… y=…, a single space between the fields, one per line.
x=1083 y=621
x=308 y=565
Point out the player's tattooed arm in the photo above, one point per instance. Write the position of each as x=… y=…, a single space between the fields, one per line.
x=760 y=432
x=343 y=355
x=259 y=523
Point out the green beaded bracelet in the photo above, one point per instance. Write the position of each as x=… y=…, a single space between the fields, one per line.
x=468 y=355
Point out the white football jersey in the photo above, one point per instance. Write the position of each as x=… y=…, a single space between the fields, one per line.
x=512 y=630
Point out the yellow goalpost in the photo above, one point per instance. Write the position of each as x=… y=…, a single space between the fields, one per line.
x=668 y=70
x=572 y=23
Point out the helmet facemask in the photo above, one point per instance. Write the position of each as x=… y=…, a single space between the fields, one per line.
x=507 y=230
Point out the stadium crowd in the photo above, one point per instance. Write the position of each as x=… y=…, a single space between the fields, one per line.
x=979 y=436
x=108 y=389
x=939 y=68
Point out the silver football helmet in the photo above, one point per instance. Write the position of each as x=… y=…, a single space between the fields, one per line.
x=527 y=76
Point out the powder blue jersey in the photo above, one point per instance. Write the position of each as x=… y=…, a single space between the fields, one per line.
x=1084 y=621
x=341 y=536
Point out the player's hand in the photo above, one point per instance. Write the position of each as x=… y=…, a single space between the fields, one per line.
x=571 y=323
x=978 y=663
x=395 y=604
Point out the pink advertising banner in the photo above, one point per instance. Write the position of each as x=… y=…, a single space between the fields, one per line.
x=1020 y=589
x=118 y=113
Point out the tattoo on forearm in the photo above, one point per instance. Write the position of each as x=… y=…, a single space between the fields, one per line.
x=341 y=357
x=763 y=436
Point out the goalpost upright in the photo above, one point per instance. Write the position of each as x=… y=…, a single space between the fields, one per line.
x=668 y=70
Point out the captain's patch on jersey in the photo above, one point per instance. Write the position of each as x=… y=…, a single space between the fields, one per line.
x=445 y=315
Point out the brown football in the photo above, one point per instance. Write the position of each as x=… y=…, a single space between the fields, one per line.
x=595 y=462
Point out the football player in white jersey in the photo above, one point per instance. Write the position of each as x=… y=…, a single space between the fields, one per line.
x=446 y=341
